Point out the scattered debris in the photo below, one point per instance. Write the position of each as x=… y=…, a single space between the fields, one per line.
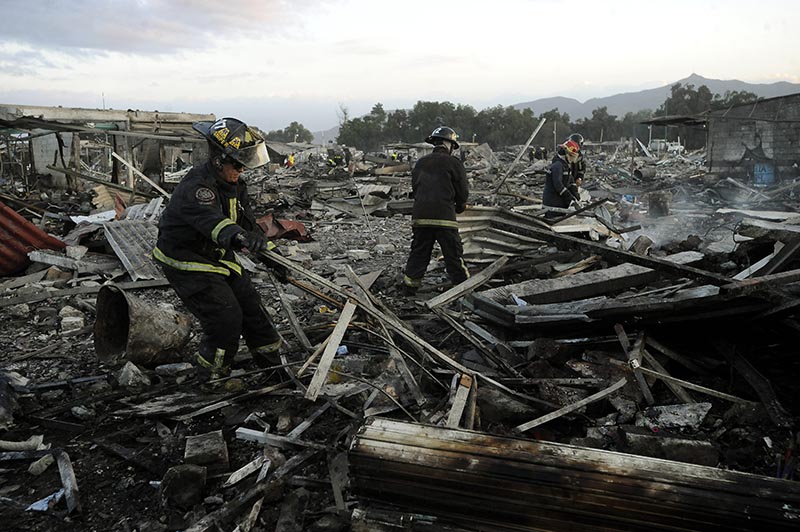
x=644 y=343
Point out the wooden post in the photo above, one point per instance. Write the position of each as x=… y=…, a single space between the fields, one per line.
x=519 y=155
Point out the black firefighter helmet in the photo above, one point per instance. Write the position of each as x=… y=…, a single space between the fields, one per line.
x=444 y=133
x=233 y=139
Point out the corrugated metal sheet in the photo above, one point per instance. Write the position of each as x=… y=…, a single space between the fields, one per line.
x=133 y=242
x=17 y=237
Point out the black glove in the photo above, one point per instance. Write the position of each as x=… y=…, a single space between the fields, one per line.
x=255 y=242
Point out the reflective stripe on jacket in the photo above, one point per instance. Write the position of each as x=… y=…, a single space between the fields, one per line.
x=200 y=221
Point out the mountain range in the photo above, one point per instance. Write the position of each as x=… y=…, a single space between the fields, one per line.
x=630 y=102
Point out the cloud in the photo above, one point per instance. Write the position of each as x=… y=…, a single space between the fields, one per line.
x=142 y=26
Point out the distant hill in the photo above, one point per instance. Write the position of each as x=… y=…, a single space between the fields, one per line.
x=630 y=102
x=322 y=137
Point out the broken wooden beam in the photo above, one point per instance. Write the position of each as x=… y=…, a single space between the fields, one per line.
x=635 y=360
x=459 y=401
x=494 y=483
x=326 y=360
x=573 y=407
x=467 y=286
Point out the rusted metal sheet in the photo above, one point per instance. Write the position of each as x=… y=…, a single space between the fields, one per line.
x=496 y=483
x=17 y=237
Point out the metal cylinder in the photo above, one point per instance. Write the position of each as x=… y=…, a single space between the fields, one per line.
x=128 y=328
x=644 y=173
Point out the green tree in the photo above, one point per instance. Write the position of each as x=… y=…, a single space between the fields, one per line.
x=732 y=98
x=601 y=125
x=685 y=100
x=555 y=130
x=294 y=132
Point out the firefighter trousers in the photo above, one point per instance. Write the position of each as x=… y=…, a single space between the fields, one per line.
x=421 y=247
x=227 y=307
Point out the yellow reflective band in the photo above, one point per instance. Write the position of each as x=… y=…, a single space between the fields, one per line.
x=225 y=222
x=203 y=362
x=270 y=245
x=411 y=282
x=233 y=266
x=219 y=358
x=233 y=212
x=423 y=222
x=464 y=267
x=189 y=266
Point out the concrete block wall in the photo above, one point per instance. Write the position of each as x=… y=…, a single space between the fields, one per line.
x=773 y=124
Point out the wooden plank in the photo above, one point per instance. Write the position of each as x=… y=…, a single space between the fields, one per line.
x=396 y=325
x=294 y=323
x=394 y=352
x=635 y=359
x=686 y=384
x=301 y=428
x=519 y=155
x=579 y=286
x=41 y=296
x=467 y=286
x=471 y=410
x=679 y=392
x=140 y=174
x=275 y=440
x=750 y=270
x=459 y=402
x=677 y=357
x=494 y=483
x=311 y=359
x=786 y=254
x=232 y=509
x=326 y=360
x=69 y=482
x=571 y=408
x=234 y=400
x=245 y=471
x=337 y=469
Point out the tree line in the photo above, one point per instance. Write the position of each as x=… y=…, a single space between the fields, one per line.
x=506 y=126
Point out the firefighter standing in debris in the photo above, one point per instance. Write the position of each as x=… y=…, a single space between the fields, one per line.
x=207 y=218
x=578 y=168
x=440 y=190
x=560 y=188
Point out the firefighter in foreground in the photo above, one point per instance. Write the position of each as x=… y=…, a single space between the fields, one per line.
x=440 y=190
x=207 y=218
x=560 y=188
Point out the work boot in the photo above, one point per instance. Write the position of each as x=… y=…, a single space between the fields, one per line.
x=209 y=370
x=267 y=356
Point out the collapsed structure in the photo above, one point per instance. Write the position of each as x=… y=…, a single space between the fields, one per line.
x=628 y=365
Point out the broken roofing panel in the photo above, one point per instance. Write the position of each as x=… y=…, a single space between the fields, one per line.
x=133 y=242
x=17 y=237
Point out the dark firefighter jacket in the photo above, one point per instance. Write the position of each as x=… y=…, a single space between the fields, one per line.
x=559 y=186
x=440 y=190
x=200 y=221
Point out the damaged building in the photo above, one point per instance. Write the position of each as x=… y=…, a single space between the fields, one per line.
x=758 y=140
x=628 y=365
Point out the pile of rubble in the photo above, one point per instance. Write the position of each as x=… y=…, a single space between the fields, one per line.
x=629 y=364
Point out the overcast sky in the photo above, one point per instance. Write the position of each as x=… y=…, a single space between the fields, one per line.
x=270 y=62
